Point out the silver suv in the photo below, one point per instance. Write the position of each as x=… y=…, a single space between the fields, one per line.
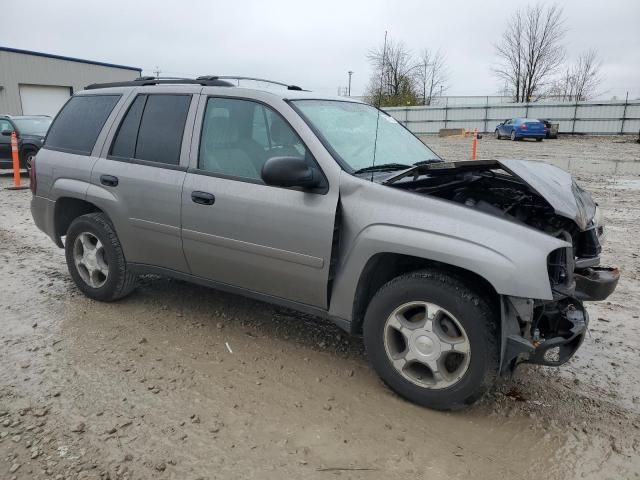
x=453 y=272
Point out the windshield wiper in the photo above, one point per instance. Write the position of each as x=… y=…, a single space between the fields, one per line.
x=428 y=162
x=385 y=167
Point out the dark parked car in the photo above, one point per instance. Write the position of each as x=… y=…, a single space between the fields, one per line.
x=519 y=128
x=30 y=130
x=550 y=129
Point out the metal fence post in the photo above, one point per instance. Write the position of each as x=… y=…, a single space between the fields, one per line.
x=575 y=114
x=624 y=114
x=446 y=111
x=486 y=115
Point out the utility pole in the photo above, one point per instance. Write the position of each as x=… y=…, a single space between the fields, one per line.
x=349 y=89
x=157 y=71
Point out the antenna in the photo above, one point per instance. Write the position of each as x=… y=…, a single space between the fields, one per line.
x=375 y=143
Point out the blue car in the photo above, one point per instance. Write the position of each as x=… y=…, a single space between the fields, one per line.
x=518 y=128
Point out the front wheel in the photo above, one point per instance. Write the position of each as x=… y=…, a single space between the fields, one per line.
x=498 y=134
x=432 y=339
x=28 y=156
x=538 y=139
x=95 y=259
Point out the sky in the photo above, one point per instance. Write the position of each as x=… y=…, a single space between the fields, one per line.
x=313 y=44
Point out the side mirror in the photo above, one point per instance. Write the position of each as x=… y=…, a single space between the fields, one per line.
x=7 y=133
x=289 y=172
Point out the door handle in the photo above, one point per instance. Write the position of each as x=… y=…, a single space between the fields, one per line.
x=203 y=198
x=109 y=180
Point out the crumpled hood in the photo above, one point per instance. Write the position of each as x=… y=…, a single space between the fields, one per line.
x=553 y=184
x=557 y=187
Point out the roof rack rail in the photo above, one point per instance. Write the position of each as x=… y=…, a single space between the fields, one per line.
x=145 y=81
x=205 y=80
x=235 y=77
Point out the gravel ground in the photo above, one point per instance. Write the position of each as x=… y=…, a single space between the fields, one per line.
x=178 y=381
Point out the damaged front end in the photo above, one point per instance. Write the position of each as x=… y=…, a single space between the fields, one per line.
x=544 y=197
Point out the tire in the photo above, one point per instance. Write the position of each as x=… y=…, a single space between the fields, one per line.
x=498 y=134
x=538 y=139
x=27 y=156
x=110 y=280
x=513 y=136
x=470 y=312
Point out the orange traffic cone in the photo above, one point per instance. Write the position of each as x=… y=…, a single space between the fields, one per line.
x=16 y=164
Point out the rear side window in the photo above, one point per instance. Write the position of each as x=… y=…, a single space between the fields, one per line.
x=152 y=129
x=77 y=126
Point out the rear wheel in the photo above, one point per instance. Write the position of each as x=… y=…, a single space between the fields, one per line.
x=432 y=340
x=95 y=259
x=513 y=136
x=538 y=139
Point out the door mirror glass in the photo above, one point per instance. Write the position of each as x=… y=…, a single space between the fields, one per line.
x=289 y=172
x=7 y=132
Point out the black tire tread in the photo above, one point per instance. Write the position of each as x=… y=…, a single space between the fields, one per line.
x=126 y=280
x=463 y=293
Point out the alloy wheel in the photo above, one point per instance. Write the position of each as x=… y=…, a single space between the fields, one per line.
x=90 y=259
x=427 y=345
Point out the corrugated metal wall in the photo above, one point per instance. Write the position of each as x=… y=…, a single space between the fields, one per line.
x=598 y=118
x=23 y=69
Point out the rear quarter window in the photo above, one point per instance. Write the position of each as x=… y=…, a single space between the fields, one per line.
x=77 y=126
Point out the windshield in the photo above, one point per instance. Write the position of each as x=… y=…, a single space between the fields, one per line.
x=32 y=126
x=350 y=130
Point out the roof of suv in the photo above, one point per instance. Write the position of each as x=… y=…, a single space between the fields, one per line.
x=221 y=82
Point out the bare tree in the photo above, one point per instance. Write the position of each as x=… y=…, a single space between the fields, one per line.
x=530 y=50
x=431 y=74
x=580 y=80
x=392 y=81
x=586 y=74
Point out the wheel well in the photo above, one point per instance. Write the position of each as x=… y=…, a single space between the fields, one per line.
x=68 y=209
x=383 y=267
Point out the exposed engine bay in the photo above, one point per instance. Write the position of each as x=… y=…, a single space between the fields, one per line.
x=546 y=198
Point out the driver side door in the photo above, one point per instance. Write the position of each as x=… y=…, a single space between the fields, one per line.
x=505 y=128
x=238 y=231
x=5 y=142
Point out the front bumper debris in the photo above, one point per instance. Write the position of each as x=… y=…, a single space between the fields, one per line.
x=596 y=283
x=547 y=334
x=557 y=350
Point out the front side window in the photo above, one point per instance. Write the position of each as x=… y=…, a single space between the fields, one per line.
x=152 y=129
x=349 y=128
x=77 y=126
x=239 y=136
x=5 y=125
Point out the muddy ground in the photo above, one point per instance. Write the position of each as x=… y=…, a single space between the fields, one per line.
x=178 y=381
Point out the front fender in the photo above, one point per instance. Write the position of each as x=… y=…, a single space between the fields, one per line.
x=377 y=219
x=524 y=276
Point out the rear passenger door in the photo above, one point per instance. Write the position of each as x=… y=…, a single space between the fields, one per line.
x=138 y=179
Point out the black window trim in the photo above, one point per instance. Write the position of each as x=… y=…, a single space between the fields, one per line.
x=149 y=163
x=323 y=189
x=72 y=150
